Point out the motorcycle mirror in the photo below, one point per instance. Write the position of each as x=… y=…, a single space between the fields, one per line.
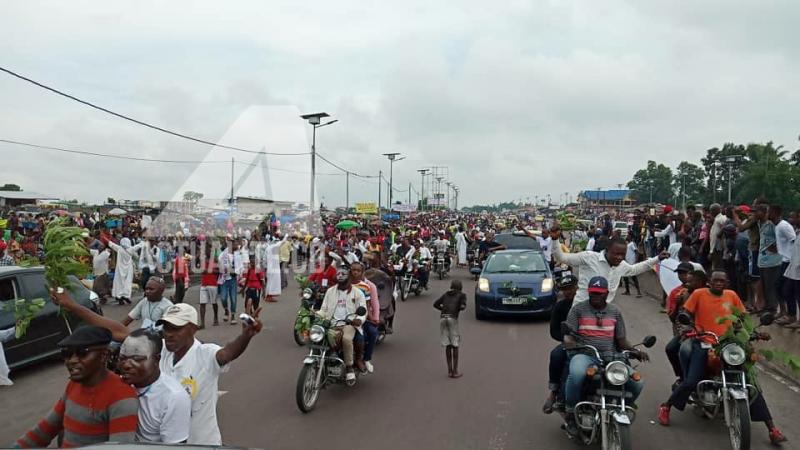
x=649 y=341
x=767 y=319
x=684 y=318
x=360 y=311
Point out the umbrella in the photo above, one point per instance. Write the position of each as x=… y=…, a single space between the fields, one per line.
x=117 y=212
x=347 y=224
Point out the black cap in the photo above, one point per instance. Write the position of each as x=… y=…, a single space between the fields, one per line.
x=568 y=280
x=86 y=336
x=685 y=267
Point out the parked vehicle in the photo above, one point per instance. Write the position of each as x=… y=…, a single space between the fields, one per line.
x=49 y=326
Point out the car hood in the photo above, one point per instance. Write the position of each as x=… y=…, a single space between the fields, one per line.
x=520 y=280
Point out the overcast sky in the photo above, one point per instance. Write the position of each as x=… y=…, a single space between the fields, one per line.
x=517 y=98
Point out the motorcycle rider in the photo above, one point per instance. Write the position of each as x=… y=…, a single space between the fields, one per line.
x=708 y=306
x=441 y=247
x=365 y=348
x=337 y=305
x=600 y=324
x=567 y=287
x=423 y=255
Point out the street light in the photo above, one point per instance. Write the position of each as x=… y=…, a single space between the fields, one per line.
x=314 y=120
x=731 y=160
x=448 y=193
x=392 y=158
x=438 y=189
x=422 y=172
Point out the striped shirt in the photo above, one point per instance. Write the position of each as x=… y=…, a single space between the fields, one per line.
x=106 y=412
x=596 y=327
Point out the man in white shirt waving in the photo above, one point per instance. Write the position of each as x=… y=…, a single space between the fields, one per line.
x=609 y=264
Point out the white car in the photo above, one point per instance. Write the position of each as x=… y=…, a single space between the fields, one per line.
x=622 y=227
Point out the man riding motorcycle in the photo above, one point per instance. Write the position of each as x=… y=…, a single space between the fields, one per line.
x=441 y=246
x=601 y=325
x=707 y=306
x=336 y=306
x=567 y=288
x=422 y=255
x=370 y=291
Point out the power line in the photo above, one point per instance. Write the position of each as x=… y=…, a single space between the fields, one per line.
x=343 y=169
x=139 y=122
x=134 y=158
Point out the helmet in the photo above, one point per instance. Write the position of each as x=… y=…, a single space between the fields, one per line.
x=568 y=280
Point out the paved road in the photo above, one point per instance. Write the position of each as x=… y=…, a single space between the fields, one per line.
x=410 y=402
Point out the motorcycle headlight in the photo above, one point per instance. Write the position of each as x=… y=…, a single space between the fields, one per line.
x=547 y=285
x=617 y=373
x=483 y=285
x=317 y=334
x=733 y=354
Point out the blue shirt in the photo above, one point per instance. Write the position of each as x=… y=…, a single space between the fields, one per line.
x=767 y=258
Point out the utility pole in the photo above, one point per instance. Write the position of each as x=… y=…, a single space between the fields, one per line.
x=314 y=120
x=380 y=184
x=347 y=198
x=422 y=172
x=409 y=192
x=230 y=201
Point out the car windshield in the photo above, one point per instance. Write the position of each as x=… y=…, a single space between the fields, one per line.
x=516 y=262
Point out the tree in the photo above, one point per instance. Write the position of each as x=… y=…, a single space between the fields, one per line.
x=718 y=169
x=10 y=187
x=768 y=173
x=192 y=196
x=653 y=183
x=689 y=180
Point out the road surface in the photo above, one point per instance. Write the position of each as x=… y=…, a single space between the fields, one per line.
x=409 y=402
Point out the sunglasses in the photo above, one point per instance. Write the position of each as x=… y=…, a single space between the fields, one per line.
x=80 y=352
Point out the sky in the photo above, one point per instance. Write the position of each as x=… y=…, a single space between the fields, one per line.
x=518 y=99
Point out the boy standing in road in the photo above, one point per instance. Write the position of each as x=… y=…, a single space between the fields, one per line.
x=451 y=303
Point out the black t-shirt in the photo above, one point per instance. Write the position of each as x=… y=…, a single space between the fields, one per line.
x=485 y=246
x=559 y=314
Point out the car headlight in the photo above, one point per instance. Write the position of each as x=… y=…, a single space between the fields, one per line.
x=547 y=285
x=317 y=334
x=483 y=285
x=617 y=373
x=733 y=354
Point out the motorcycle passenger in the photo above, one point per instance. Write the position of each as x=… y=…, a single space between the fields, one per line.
x=324 y=277
x=692 y=280
x=423 y=255
x=567 y=288
x=601 y=325
x=336 y=306
x=707 y=306
x=364 y=349
x=441 y=247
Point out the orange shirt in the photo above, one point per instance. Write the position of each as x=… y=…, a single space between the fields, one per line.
x=707 y=307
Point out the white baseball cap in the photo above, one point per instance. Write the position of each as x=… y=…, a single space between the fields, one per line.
x=179 y=315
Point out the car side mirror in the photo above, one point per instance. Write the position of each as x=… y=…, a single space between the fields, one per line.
x=360 y=311
x=684 y=318
x=767 y=319
x=649 y=341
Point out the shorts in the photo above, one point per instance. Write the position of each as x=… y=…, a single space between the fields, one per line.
x=753 y=266
x=208 y=294
x=448 y=329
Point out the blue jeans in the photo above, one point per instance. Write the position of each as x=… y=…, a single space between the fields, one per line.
x=370 y=337
x=228 y=291
x=693 y=362
x=673 y=349
x=577 y=376
x=558 y=364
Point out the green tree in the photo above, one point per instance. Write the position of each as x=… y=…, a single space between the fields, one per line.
x=718 y=169
x=10 y=187
x=768 y=173
x=689 y=180
x=653 y=183
x=191 y=196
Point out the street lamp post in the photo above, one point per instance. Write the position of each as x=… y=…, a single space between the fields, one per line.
x=392 y=158
x=438 y=189
x=422 y=173
x=314 y=120
x=731 y=160
x=448 y=193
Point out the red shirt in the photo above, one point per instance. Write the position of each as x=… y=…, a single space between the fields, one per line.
x=253 y=277
x=672 y=300
x=328 y=274
x=210 y=275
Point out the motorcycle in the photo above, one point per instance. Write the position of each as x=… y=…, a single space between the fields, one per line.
x=475 y=265
x=727 y=387
x=305 y=315
x=440 y=265
x=602 y=415
x=324 y=365
x=409 y=281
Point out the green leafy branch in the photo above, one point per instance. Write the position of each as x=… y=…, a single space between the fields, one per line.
x=24 y=311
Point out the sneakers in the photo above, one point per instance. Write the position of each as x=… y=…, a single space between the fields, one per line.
x=547 y=408
x=370 y=367
x=776 y=437
x=663 y=415
x=351 y=376
x=233 y=321
x=571 y=426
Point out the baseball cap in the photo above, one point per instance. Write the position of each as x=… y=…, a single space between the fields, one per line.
x=598 y=285
x=568 y=280
x=179 y=315
x=685 y=267
x=668 y=209
x=745 y=209
x=86 y=336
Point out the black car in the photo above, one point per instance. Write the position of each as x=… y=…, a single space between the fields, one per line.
x=49 y=326
x=515 y=283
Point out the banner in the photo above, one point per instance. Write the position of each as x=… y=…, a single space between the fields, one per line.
x=405 y=207
x=437 y=201
x=366 y=208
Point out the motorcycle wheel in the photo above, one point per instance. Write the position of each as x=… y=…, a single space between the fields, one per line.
x=300 y=338
x=739 y=427
x=441 y=274
x=306 y=394
x=402 y=292
x=619 y=436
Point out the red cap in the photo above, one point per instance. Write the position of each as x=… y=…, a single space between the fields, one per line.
x=745 y=209
x=667 y=209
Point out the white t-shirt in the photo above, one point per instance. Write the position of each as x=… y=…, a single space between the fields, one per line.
x=149 y=312
x=784 y=239
x=630 y=254
x=100 y=262
x=546 y=246
x=165 y=412
x=340 y=311
x=198 y=372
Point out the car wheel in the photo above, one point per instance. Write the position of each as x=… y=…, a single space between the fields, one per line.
x=478 y=314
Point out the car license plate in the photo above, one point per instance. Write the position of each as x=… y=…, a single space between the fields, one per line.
x=515 y=300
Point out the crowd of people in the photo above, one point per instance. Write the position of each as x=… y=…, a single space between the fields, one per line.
x=750 y=251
